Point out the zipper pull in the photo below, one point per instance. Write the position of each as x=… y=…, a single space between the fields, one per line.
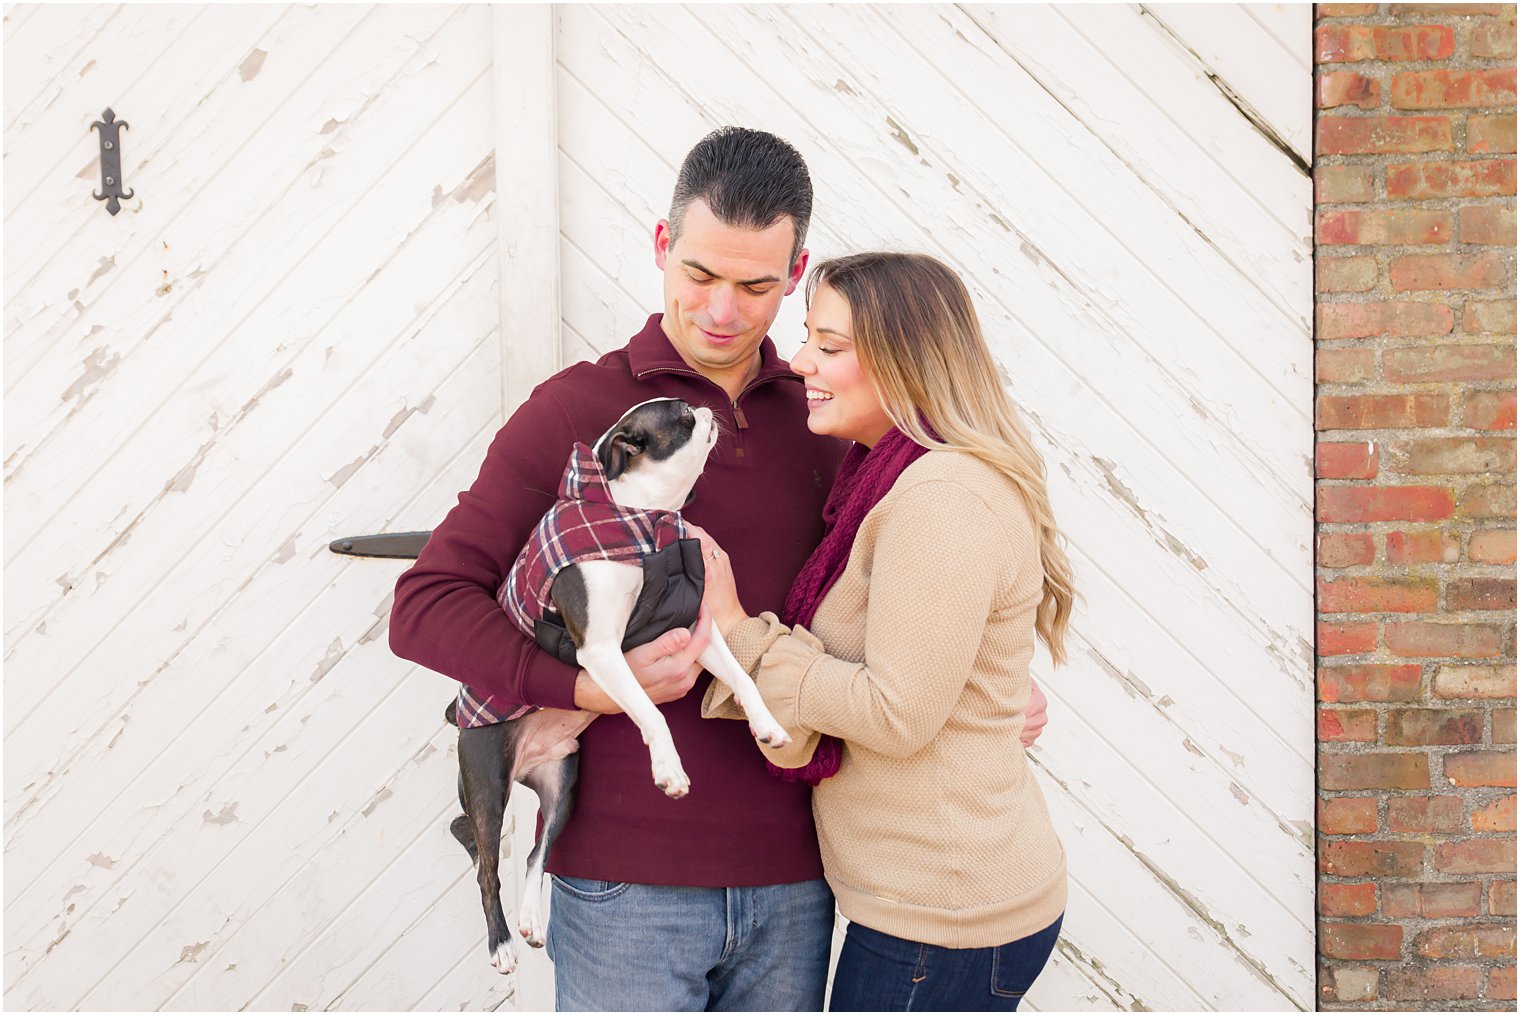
x=739 y=417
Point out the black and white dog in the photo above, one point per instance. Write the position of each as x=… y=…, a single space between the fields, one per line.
x=590 y=611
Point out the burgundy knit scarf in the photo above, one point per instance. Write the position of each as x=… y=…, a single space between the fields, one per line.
x=864 y=478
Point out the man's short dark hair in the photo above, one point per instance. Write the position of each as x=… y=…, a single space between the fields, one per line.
x=748 y=178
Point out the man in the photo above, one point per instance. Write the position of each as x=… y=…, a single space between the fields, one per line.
x=714 y=901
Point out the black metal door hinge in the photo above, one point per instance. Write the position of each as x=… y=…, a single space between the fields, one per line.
x=110 y=161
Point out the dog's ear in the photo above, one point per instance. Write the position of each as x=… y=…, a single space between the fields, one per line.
x=617 y=452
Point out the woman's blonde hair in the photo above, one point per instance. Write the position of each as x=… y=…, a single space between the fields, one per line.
x=919 y=343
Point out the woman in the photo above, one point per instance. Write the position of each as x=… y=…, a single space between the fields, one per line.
x=909 y=635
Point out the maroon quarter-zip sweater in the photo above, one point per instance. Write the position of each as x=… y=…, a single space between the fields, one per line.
x=761 y=496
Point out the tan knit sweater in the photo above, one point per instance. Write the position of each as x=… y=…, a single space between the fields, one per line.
x=934 y=829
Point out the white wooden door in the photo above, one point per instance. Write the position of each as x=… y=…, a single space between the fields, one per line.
x=1124 y=189
x=220 y=788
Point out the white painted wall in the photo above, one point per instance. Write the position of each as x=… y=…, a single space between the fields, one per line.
x=221 y=790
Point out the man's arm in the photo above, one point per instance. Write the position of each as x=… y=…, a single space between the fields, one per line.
x=445 y=614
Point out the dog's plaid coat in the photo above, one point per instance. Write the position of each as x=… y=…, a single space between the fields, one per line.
x=584 y=524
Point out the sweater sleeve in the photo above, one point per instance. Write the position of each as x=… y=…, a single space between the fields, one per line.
x=445 y=615
x=931 y=592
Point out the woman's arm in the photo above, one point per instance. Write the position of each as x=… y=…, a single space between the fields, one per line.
x=934 y=570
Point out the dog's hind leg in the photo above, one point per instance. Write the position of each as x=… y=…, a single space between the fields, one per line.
x=484 y=769
x=718 y=660
x=554 y=782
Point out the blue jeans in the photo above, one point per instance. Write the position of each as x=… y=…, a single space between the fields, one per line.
x=879 y=972
x=624 y=947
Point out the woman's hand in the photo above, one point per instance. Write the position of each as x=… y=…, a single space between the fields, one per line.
x=1034 y=715
x=720 y=595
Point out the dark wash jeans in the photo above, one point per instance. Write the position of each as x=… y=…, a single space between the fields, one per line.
x=879 y=972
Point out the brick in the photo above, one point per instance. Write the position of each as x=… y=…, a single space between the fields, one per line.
x=1453 y=455
x=1431 y=900
x=1344 y=366
x=1486 y=224
x=1476 y=856
x=1343 y=10
x=1494 y=133
x=1381 y=412
x=1471 y=941
x=1452 y=89
x=1501 y=980
x=1434 y=983
x=1480 y=594
x=1493 y=40
x=1347 y=900
x=1346 y=88
x=1430 y=546
x=1504 y=727
x=1373 y=771
x=1373 y=682
x=1348 y=815
x=1488 y=500
x=1424 y=814
x=1501 y=902
x=1498 y=816
x=1419 y=638
x=1344 y=639
x=1447 y=10
x=1423 y=180
x=1418 y=364
x=1345 y=275
x=1489 y=316
x=1344 y=725
x=1391 y=317
x=1351 y=504
x=1489 y=410
x=1345 y=549
x=1386 y=227
x=1360 y=940
x=1474 y=682
x=1381 y=135
x=1420 y=727
x=1344 y=184
x=1480 y=768
x=1350 y=983
x=1377 y=595
x=1491 y=546
x=1348 y=858
x=1347 y=43
x=1424 y=272
x=1345 y=460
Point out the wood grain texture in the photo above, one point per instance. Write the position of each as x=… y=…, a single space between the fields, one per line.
x=221 y=790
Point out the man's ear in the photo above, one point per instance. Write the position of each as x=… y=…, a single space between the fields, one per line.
x=661 y=243
x=794 y=279
x=616 y=453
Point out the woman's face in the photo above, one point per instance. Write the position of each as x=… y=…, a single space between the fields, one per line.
x=840 y=400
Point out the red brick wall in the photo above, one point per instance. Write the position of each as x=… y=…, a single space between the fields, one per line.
x=1414 y=188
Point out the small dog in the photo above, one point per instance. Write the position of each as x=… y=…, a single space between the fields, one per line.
x=609 y=567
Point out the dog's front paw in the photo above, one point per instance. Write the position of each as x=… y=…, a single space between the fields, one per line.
x=504 y=958
x=770 y=734
x=670 y=777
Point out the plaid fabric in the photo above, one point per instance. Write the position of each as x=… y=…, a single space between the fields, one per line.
x=584 y=524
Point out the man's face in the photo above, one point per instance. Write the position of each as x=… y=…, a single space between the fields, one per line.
x=723 y=287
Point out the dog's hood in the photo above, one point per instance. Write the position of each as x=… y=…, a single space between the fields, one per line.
x=585 y=478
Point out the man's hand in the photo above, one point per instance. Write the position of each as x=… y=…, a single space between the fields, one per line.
x=666 y=668
x=1034 y=716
